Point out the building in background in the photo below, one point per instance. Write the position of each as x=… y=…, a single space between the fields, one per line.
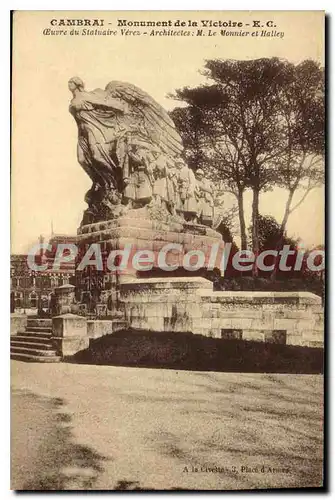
x=28 y=286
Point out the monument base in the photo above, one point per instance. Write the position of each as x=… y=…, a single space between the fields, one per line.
x=164 y=305
x=170 y=303
x=190 y=305
x=137 y=230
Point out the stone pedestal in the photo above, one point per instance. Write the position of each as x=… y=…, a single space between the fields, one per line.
x=138 y=230
x=65 y=298
x=164 y=305
x=69 y=334
x=164 y=302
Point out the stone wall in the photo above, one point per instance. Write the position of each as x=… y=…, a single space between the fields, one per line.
x=97 y=328
x=72 y=333
x=69 y=334
x=166 y=305
x=262 y=316
x=190 y=305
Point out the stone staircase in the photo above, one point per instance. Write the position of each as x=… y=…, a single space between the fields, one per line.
x=34 y=344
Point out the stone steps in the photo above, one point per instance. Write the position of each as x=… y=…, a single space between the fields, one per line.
x=30 y=344
x=31 y=333
x=34 y=344
x=35 y=322
x=31 y=338
x=32 y=350
x=39 y=329
x=35 y=359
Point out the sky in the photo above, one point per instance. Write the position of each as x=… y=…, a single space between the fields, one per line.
x=47 y=183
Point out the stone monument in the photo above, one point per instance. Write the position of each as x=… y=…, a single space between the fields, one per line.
x=144 y=197
x=143 y=194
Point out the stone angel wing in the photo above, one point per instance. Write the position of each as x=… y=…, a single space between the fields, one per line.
x=147 y=121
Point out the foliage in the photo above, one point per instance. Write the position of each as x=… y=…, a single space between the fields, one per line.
x=258 y=125
x=269 y=233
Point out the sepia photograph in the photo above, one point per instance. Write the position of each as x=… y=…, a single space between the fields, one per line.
x=167 y=262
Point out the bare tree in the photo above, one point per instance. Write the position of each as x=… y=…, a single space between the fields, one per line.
x=259 y=126
x=302 y=122
x=211 y=143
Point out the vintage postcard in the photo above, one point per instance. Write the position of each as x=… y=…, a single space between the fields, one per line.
x=167 y=251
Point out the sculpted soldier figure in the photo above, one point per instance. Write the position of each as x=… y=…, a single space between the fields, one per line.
x=204 y=190
x=129 y=146
x=138 y=187
x=173 y=190
x=187 y=187
x=162 y=187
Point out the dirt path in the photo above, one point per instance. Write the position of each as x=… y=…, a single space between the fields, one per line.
x=100 y=427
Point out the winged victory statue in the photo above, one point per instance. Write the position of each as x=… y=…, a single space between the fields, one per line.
x=127 y=144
